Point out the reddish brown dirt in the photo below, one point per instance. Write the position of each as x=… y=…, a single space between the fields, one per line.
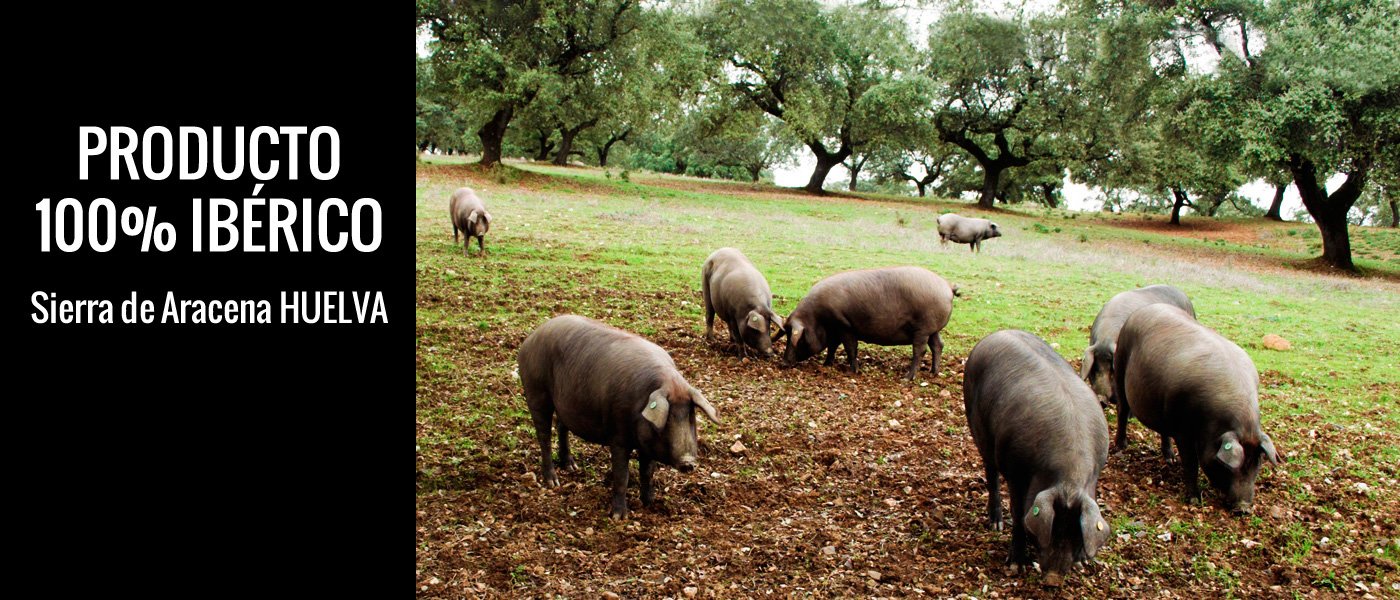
x=1198 y=227
x=848 y=486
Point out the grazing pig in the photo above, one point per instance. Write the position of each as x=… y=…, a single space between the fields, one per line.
x=1189 y=384
x=1097 y=368
x=614 y=388
x=1037 y=424
x=736 y=290
x=470 y=217
x=890 y=307
x=965 y=230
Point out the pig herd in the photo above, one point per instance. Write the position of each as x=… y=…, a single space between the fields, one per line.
x=1034 y=420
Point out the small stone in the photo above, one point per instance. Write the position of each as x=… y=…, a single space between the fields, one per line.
x=690 y=591
x=898 y=404
x=873 y=575
x=738 y=447
x=944 y=393
x=891 y=502
x=1166 y=537
x=611 y=596
x=894 y=423
x=1361 y=487
x=434 y=581
x=1276 y=342
x=829 y=550
x=1248 y=543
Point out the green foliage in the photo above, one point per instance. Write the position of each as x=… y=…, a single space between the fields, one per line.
x=835 y=77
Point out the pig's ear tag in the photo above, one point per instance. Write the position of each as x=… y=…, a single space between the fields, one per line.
x=1098 y=526
x=1035 y=511
x=1229 y=445
x=653 y=405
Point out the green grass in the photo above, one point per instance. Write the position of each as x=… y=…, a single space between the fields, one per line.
x=650 y=237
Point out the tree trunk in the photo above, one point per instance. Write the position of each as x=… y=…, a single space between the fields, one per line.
x=754 y=172
x=854 y=167
x=566 y=141
x=545 y=146
x=492 y=134
x=991 y=176
x=921 y=187
x=1330 y=210
x=1182 y=200
x=1276 y=207
x=1213 y=206
x=566 y=145
x=607 y=147
x=1394 y=214
x=825 y=161
x=1048 y=189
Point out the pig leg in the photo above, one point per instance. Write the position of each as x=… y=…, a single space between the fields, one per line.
x=1167 y=450
x=620 y=457
x=830 y=352
x=920 y=343
x=566 y=459
x=454 y=231
x=1190 y=465
x=993 y=498
x=849 y=341
x=936 y=346
x=1120 y=439
x=481 y=245
x=645 y=468
x=709 y=315
x=542 y=413
x=1019 y=557
x=738 y=340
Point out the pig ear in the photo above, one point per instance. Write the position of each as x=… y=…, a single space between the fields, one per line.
x=704 y=405
x=1267 y=445
x=658 y=406
x=755 y=320
x=794 y=332
x=776 y=320
x=1087 y=364
x=474 y=216
x=782 y=328
x=1092 y=526
x=1231 y=454
x=1040 y=518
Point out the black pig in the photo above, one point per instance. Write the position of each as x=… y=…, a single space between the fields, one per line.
x=614 y=388
x=1038 y=424
x=1189 y=384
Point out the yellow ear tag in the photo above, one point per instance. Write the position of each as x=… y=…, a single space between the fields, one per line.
x=1099 y=526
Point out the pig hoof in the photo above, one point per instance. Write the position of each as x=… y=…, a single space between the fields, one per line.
x=550 y=480
x=1013 y=569
x=994 y=526
x=566 y=465
x=619 y=516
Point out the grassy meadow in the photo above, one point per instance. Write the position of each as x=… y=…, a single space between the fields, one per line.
x=862 y=484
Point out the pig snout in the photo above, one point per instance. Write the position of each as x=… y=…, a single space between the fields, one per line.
x=686 y=464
